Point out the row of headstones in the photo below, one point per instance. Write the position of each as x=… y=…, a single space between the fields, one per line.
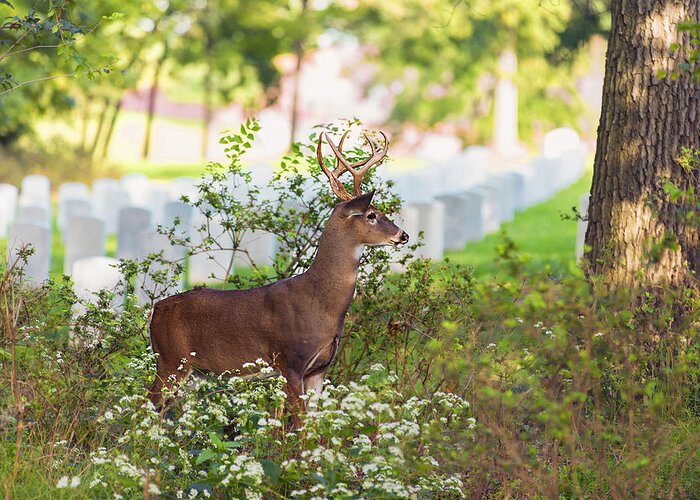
x=450 y=204
x=464 y=199
x=131 y=208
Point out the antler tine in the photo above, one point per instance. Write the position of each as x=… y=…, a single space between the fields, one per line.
x=336 y=185
x=343 y=165
x=377 y=156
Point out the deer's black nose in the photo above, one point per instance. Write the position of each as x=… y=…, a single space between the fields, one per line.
x=404 y=237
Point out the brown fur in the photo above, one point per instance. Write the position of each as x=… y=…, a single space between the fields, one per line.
x=293 y=324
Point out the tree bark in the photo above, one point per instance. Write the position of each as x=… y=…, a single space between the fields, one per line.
x=152 y=103
x=110 y=128
x=646 y=118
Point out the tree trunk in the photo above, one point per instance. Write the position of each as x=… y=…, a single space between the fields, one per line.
x=100 y=126
x=152 y=103
x=110 y=128
x=634 y=233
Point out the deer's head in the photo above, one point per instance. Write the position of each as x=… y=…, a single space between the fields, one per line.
x=362 y=221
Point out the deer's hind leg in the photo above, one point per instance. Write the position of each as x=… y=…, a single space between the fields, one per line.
x=168 y=374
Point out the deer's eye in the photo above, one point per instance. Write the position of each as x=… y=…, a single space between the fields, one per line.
x=372 y=217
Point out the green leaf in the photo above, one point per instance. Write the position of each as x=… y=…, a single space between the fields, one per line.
x=206 y=455
x=272 y=470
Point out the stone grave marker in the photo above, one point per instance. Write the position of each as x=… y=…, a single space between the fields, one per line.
x=132 y=222
x=181 y=211
x=582 y=226
x=456 y=215
x=210 y=266
x=474 y=222
x=506 y=195
x=8 y=207
x=36 y=192
x=560 y=141
x=74 y=208
x=139 y=188
x=108 y=199
x=431 y=221
x=257 y=247
x=408 y=220
x=38 y=264
x=85 y=236
x=30 y=214
x=183 y=186
x=517 y=180
x=490 y=210
x=92 y=274
x=152 y=242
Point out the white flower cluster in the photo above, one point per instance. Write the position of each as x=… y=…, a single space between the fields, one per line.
x=227 y=435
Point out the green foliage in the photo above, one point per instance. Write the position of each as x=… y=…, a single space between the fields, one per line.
x=296 y=204
x=524 y=385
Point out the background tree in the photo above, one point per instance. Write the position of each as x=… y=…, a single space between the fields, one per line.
x=634 y=233
x=441 y=59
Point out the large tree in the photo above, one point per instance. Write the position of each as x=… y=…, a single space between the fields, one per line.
x=637 y=234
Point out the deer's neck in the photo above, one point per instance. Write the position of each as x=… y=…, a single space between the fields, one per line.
x=333 y=274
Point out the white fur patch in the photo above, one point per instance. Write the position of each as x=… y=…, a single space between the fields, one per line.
x=358 y=251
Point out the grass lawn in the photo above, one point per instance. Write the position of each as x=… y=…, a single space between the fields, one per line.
x=538 y=231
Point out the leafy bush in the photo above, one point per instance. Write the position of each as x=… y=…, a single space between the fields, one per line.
x=525 y=385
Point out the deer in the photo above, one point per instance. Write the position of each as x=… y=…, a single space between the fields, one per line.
x=294 y=324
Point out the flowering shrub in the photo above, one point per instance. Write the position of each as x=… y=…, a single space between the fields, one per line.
x=226 y=436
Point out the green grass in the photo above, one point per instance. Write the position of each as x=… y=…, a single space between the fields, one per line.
x=538 y=231
x=164 y=171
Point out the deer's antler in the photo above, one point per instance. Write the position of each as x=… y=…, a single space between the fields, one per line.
x=357 y=169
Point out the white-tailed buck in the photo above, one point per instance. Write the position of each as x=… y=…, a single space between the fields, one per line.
x=293 y=324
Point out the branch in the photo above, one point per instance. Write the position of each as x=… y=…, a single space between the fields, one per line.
x=36 y=80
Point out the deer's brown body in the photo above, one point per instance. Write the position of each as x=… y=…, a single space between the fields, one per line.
x=293 y=324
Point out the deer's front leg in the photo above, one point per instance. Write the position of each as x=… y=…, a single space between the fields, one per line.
x=314 y=382
x=294 y=389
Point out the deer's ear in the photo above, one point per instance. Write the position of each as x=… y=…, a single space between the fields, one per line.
x=359 y=205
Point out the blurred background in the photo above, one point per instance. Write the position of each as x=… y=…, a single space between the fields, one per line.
x=105 y=87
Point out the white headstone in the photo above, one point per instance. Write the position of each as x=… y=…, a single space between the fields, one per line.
x=408 y=220
x=108 y=199
x=431 y=222
x=160 y=280
x=456 y=216
x=139 y=188
x=38 y=264
x=257 y=249
x=178 y=211
x=132 y=222
x=517 y=180
x=72 y=208
x=474 y=222
x=8 y=206
x=36 y=191
x=544 y=180
x=559 y=141
x=490 y=210
x=210 y=266
x=29 y=214
x=505 y=189
x=582 y=226
x=183 y=186
x=92 y=274
x=84 y=237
